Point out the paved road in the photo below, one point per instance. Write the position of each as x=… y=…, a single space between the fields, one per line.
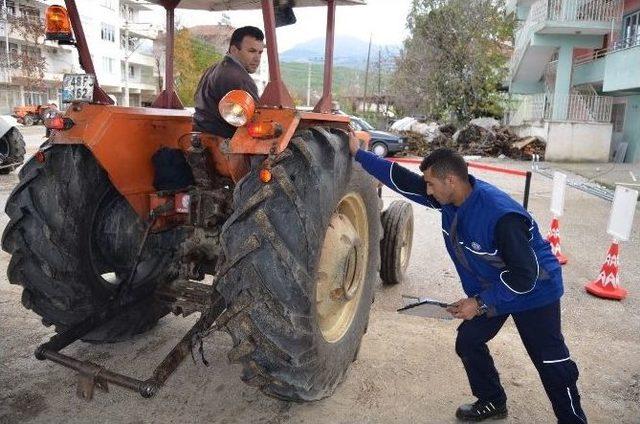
x=407 y=371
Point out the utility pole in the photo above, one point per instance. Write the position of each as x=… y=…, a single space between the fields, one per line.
x=379 y=80
x=366 y=79
x=309 y=84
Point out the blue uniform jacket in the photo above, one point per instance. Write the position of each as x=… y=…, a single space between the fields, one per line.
x=468 y=233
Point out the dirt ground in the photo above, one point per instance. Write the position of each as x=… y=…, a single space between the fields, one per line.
x=407 y=371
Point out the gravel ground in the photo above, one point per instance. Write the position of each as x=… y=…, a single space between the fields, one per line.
x=407 y=371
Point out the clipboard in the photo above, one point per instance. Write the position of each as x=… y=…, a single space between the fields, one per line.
x=424 y=307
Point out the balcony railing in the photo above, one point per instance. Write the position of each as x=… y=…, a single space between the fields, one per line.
x=621 y=44
x=562 y=11
x=579 y=108
x=584 y=11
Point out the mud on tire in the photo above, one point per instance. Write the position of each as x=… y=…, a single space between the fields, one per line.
x=277 y=330
x=60 y=212
x=12 y=150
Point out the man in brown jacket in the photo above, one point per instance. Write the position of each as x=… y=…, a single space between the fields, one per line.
x=232 y=73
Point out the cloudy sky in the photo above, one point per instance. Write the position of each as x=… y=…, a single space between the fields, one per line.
x=385 y=20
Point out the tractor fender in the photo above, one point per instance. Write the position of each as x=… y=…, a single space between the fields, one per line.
x=6 y=123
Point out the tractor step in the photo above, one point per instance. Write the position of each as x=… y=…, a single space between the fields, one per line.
x=188 y=297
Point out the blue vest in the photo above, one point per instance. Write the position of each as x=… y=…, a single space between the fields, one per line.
x=469 y=236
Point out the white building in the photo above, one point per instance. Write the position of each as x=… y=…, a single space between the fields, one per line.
x=105 y=23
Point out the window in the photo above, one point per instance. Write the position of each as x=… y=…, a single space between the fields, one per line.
x=617 y=116
x=34 y=98
x=11 y=8
x=132 y=71
x=127 y=13
x=109 y=4
x=31 y=13
x=631 y=30
x=108 y=33
x=31 y=52
x=107 y=64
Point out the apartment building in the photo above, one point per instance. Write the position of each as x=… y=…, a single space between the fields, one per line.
x=575 y=77
x=121 y=46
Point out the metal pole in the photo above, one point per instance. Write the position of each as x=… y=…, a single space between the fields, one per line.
x=272 y=45
x=527 y=187
x=126 y=63
x=168 y=79
x=366 y=79
x=324 y=105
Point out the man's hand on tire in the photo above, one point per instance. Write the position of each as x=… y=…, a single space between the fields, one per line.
x=354 y=143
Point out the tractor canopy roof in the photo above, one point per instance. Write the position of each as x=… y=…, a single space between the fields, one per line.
x=221 y=5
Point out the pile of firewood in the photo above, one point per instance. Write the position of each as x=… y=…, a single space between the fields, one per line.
x=499 y=141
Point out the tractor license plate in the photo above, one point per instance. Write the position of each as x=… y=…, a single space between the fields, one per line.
x=78 y=87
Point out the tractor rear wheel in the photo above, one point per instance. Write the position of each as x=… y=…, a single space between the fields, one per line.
x=395 y=247
x=299 y=302
x=12 y=150
x=73 y=239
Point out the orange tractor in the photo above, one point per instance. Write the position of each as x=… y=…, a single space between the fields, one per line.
x=125 y=215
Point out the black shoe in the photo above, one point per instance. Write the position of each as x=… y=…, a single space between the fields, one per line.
x=480 y=411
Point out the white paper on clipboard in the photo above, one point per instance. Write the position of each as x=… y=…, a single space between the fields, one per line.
x=625 y=201
x=557 y=196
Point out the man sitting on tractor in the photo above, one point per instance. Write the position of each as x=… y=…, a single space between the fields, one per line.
x=232 y=73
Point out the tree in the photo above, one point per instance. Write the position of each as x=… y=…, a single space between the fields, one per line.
x=29 y=27
x=454 y=61
x=192 y=57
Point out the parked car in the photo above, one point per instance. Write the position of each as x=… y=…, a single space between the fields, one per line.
x=381 y=143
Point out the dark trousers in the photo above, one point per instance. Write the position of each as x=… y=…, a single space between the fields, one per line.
x=542 y=337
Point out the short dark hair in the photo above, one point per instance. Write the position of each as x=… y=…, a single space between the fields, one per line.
x=444 y=162
x=247 y=31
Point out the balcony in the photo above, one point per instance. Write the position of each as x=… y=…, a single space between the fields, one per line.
x=560 y=21
x=611 y=66
x=583 y=133
x=579 y=108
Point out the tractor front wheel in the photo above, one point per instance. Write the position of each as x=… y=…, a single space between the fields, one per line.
x=12 y=150
x=299 y=302
x=395 y=247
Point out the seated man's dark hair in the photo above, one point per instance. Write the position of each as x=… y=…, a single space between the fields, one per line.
x=247 y=31
x=444 y=162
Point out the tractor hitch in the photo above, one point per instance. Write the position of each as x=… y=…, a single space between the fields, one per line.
x=91 y=375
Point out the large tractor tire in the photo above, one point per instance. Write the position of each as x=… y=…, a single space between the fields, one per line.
x=73 y=240
x=299 y=303
x=395 y=247
x=12 y=150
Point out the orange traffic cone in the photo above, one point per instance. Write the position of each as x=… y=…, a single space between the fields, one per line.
x=554 y=239
x=607 y=283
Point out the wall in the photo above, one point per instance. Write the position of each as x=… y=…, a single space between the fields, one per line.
x=578 y=142
x=588 y=73
x=631 y=133
x=619 y=72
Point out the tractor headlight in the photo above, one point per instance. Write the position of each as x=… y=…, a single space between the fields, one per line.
x=237 y=107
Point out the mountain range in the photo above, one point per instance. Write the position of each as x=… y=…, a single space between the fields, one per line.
x=348 y=51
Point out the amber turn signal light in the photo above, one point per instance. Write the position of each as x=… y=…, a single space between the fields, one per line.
x=264 y=129
x=265 y=175
x=58 y=26
x=237 y=107
x=58 y=122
